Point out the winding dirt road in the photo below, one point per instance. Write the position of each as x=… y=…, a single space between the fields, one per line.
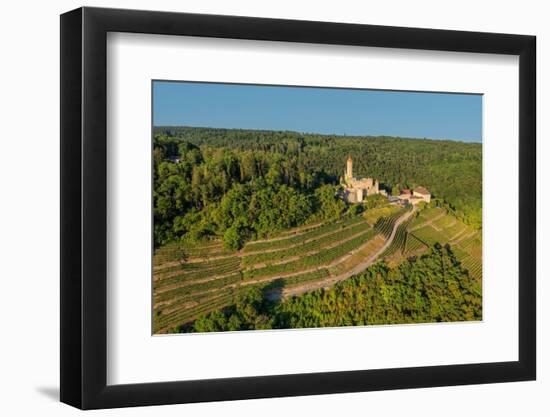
x=328 y=282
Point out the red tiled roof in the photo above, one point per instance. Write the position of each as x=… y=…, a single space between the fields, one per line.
x=421 y=190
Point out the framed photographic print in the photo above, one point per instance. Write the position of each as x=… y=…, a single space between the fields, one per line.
x=258 y=207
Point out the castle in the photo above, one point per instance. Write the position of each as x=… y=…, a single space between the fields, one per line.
x=355 y=189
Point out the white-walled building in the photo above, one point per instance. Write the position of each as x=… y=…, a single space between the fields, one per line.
x=416 y=196
x=422 y=193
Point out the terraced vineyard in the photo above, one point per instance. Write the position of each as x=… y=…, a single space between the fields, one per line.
x=191 y=281
x=173 y=252
x=434 y=225
x=429 y=235
x=300 y=238
x=372 y=215
x=307 y=246
x=323 y=257
x=384 y=225
x=399 y=241
x=412 y=244
x=431 y=226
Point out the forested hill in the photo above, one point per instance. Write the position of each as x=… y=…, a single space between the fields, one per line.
x=451 y=170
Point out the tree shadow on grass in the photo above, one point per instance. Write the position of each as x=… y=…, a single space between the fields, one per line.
x=273 y=292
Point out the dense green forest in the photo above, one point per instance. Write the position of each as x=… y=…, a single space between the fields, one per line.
x=430 y=288
x=246 y=184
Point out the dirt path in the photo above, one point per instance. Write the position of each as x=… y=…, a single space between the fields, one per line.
x=355 y=270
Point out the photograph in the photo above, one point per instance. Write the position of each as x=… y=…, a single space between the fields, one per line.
x=267 y=209
x=284 y=207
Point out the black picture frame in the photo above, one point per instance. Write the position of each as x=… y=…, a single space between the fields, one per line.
x=84 y=207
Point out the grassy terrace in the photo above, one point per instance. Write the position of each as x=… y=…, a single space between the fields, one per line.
x=301 y=238
x=306 y=246
x=193 y=271
x=412 y=244
x=434 y=225
x=173 y=252
x=305 y=277
x=455 y=231
x=429 y=235
x=180 y=292
x=164 y=321
x=318 y=259
x=373 y=215
x=366 y=251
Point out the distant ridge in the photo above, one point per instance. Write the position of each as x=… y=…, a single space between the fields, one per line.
x=161 y=129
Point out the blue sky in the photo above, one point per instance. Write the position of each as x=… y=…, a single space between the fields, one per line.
x=318 y=110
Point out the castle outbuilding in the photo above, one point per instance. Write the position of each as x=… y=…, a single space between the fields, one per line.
x=422 y=193
x=419 y=194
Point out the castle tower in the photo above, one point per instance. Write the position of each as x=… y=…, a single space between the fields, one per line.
x=349 y=168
